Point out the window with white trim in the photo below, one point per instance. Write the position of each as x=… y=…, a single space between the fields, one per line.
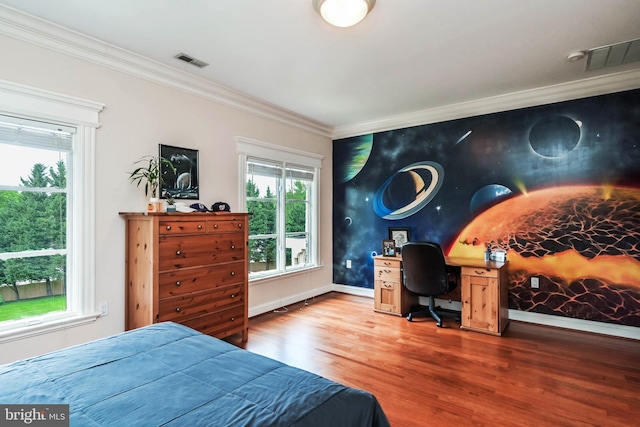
x=46 y=212
x=281 y=194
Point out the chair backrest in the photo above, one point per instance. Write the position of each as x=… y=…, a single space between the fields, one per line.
x=424 y=268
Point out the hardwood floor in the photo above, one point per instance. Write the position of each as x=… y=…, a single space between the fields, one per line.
x=426 y=376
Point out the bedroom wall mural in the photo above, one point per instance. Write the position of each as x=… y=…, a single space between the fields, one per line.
x=556 y=186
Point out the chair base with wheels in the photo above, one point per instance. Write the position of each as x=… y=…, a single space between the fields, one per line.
x=430 y=310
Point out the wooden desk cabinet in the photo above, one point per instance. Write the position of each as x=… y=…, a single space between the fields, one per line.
x=188 y=268
x=484 y=292
x=389 y=294
x=484 y=297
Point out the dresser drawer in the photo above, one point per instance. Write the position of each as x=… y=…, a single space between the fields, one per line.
x=180 y=282
x=479 y=271
x=192 y=251
x=200 y=303
x=225 y=225
x=174 y=227
x=220 y=324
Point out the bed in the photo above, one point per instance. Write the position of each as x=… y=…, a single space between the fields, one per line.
x=167 y=374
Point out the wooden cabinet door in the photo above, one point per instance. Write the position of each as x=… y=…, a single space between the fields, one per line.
x=480 y=303
x=386 y=296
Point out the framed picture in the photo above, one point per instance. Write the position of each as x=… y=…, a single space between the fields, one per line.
x=388 y=248
x=183 y=183
x=400 y=236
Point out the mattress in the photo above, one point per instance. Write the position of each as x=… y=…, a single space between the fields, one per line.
x=167 y=374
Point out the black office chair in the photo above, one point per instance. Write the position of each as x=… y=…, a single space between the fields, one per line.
x=425 y=274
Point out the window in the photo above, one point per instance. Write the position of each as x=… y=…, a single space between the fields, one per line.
x=281 y=193
x=33 y=218
x=46 y=212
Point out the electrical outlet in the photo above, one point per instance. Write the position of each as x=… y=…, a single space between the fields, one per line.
x=535 y=282
x=104 y=308
x=348 y=263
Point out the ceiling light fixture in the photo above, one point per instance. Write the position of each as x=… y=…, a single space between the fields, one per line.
x=343 y=13
x=576 y=56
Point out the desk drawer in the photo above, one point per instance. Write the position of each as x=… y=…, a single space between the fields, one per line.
x=389 y=262
x=389 y=274
x=479 y=271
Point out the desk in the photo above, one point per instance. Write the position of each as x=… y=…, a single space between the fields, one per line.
x=484 y=292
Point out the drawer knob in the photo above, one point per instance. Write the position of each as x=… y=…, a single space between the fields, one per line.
x=233 y=246
x=199 y=226
x=178 y=283
x=233 y=318
x=233 y=295
x=233 y=273
x=178 y=253
x=239 y=225
x=479 y=272
x=215 y=225
x=168 y=227
x=178 y=310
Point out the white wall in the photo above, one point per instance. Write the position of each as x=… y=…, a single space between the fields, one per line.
x=139 y=115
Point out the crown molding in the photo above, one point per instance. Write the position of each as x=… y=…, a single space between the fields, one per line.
x=594 y=86
x=31 y=29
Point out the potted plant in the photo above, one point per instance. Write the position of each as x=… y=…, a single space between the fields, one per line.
x=149 y=173
x=171 y=207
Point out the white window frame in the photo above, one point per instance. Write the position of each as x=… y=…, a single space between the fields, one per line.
x=35 y=104
x=247 y=147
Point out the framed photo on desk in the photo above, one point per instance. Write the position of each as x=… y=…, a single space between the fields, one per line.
x=388 y=248
x=400 y=236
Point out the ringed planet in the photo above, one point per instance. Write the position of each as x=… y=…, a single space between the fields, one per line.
x=408 y=190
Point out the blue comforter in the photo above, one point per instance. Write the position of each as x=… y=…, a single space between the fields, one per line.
x=169 y=375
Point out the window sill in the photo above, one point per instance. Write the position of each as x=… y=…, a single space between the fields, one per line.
x=46 y=326
x=270 y=277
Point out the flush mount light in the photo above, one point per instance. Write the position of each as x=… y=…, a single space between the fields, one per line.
x=343 y=13
x=576 y=56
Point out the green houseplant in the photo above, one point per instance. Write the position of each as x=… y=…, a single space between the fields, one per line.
x=149 y=174
x=171 y=203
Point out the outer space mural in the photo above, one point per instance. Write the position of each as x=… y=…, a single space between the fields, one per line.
x=556 y=186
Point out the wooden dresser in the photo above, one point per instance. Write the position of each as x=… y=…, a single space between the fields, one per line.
x=188 y=268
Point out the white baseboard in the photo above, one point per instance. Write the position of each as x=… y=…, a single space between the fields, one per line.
x=353 y=290
x=576 y=324
x=290 y=300
x=524 y=316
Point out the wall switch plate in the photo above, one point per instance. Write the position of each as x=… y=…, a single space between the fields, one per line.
x=348 y=263
x=535 y=282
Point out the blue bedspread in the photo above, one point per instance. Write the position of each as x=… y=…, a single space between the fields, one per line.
x=168 y=374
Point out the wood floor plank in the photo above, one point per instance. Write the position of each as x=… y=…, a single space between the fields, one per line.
x=426 y=376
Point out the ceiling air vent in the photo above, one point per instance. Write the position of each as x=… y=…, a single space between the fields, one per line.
x=612 y=55
x=193 y=61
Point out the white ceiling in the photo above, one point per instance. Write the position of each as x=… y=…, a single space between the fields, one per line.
x=406 y=56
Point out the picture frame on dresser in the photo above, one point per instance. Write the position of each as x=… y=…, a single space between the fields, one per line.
x=400 y=236
x=183 y=182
